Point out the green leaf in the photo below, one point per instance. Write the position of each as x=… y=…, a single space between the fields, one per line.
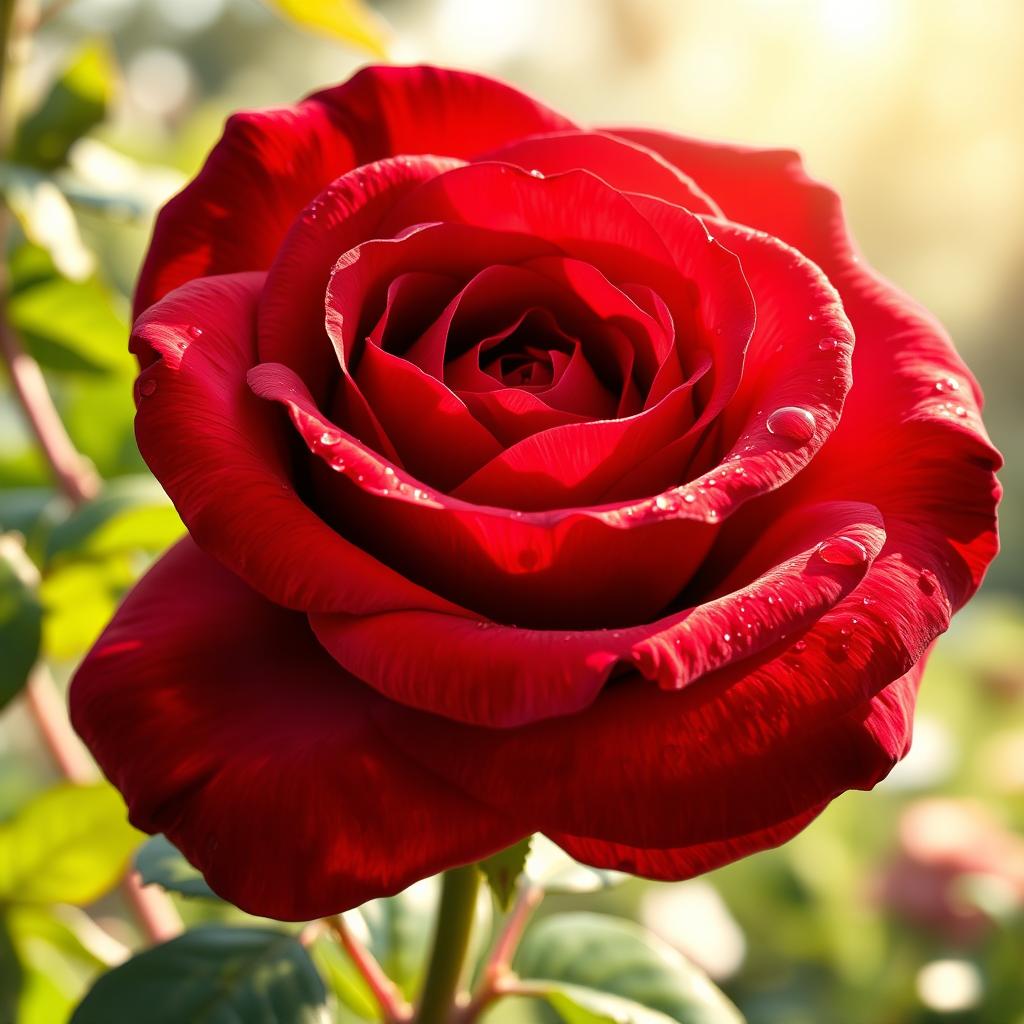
x=503 y=869
x=130 y=513
x=12 y=975
x=578 y=1005
x=160 y=862
x=47 y=220
x=213 y=975
x=612 y=957
x=70 y=844
x=67 y=325
x=344 y=980
x=21 y=617
x=348 y=20
x=550 y=867
x=79 y=599
x=75 y=104
x=59 y=947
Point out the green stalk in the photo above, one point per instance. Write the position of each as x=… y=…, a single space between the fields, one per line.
x=451 y=941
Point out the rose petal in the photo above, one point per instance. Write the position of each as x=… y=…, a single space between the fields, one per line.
x=626 y=166
x=501 y=676
x=269 y=164
x=884 y=729
x=537 y=568
x=223 y=457
x=737 y=754
x=184 y=704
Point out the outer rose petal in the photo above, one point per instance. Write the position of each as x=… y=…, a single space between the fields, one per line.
x=735 y=755
x=270 y=163
x=913 y=401
x=626 y=166
x=888 y=723
x=222 y=456
x=902 y=404
x=226 y=726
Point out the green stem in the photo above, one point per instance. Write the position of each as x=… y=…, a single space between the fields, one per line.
x=451 y=941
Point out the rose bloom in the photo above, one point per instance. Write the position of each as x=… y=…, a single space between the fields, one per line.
x=538 y=478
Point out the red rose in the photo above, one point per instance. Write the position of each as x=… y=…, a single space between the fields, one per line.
x=527 y=491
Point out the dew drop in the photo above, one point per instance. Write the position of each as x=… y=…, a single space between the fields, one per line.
x=196 y=332
x=960 y=411
x=827 y=344
x=388 y=471
x=727 y=637
x=868 y=601
x=947 y=384
x=793 y=423
x=842 y=551
x=328 y=438
x=536 y=174
x=812 y=316
x=147 y=388
x=689 y=498
x=800 y=646
x=665 y=503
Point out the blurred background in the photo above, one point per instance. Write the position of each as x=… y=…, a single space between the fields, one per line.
x=902 y=907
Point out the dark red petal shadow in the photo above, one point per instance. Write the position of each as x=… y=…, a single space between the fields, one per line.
x=227 y=727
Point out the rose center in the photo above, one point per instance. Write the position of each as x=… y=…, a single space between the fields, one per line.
x=531 y=356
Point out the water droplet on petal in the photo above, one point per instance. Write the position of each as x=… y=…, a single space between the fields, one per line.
x=665 y=502
x=827 y=344
x=842 y=551
x=793 y=423
x=147 y=388
x=947 y=384
x=536 y=174
x=868 y=601
x=800 y=646
x=328 y=438
x=689 y=498
x=727 y=637
x=960 y=411
x=196 y=332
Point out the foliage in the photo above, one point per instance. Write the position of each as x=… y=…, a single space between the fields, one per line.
x=821 y=941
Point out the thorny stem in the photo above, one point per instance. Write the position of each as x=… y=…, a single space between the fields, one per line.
x=393 y=1007
x=78 y=482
